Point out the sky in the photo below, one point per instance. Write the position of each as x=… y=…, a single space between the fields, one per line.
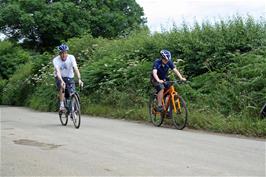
x=162 y=14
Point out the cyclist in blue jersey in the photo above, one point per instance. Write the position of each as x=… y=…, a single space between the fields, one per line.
x=159 y=75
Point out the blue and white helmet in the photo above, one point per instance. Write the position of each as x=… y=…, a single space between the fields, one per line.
x=165 y=54
x=63 y=48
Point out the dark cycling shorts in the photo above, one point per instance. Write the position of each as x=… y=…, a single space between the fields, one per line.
x=70 y=85
x=159 y=86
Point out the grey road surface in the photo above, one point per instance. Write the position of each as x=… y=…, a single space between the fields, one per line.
x=35 y=144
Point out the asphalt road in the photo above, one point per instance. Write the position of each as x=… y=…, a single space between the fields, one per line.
x=35 y=144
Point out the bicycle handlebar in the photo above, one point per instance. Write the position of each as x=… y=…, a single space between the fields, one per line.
x=80 y=87
x=177 y=82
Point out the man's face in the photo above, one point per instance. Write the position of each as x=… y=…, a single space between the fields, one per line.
x=63 y=55
x=164 y=60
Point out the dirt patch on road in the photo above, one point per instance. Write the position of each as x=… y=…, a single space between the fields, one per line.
x=34 y=143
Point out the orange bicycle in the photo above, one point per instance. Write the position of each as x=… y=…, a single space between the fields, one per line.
x=174 y=108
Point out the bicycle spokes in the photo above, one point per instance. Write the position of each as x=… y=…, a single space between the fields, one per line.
x=75 y=111
x=180 y=116
x=155 y=116
x=63 y=118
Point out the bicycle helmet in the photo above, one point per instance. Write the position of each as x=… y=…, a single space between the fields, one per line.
x=165 y=54
x=63 y=48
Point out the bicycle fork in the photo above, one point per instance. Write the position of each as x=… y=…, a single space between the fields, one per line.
x=174 y=105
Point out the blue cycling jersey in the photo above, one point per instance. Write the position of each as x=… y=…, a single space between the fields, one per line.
x=162 y=69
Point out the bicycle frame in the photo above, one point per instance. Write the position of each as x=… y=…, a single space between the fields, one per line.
x=174 y=107
x=69 y=106
x=69 y=100
x=171 y=91
x=68 y=103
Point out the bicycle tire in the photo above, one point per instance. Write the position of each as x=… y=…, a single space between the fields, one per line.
x=180 y=117
x=263 y=111
x=76 y=118
x=63 y=116
x=156 y=119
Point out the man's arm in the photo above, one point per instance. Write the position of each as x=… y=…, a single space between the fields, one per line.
x=58 y=73
x=154 y=73
x=78 y=75
x=76 y=69
x=59 y=76
x=77 y=72
x=179 y=75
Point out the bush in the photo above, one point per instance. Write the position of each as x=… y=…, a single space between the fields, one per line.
x=11 y=57
x=44 y=97
x=2 y=86
x=25 y=79
x=18 y=88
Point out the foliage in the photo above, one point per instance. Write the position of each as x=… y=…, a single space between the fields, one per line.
x=45 y=97
x=17 y=89
x=209 y=47
x=117 y=72
x=44 y=25
x=11 y=56
x=114 y=18
x=83 y=48
x=2 y=86
x=23 y=82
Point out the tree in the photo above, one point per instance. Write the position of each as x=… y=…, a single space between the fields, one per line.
x=112 y=18
x=45 y=23
x=11 y=56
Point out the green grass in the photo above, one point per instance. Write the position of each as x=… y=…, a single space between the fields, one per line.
x=216 y=122
x=200 y=119
x=115 y=112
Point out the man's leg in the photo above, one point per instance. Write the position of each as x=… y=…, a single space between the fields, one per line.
x=61 y=94
x=159 y=100
x=167 y=86
x=160 y=97
x=160 y=89
x=61 y=97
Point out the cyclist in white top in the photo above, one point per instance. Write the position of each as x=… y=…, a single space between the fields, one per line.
x=64 y=67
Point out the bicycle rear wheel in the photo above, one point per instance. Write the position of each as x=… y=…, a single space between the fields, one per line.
x=155 y=116
x=75 y=111
x=180 y=116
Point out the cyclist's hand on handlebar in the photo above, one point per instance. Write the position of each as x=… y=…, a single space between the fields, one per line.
x=161 y=81
x=183 y=79
x=63 y=85
x=80 y=83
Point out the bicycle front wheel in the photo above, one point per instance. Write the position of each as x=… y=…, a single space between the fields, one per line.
x=155 y=116
x=75 y=111
x=180 y=116
x=63 y=116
